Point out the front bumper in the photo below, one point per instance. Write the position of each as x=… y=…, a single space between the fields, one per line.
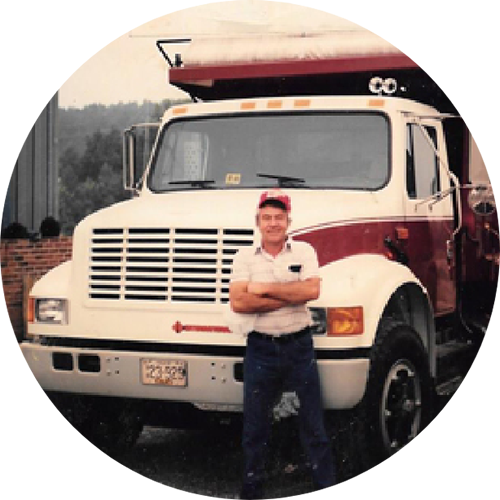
x=212 y=379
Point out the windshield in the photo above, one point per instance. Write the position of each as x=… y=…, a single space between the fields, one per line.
x=327 y=150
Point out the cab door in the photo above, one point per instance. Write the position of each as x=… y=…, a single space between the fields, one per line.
x=429 y=212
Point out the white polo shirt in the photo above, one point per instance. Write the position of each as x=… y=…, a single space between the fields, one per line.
x=296 y=262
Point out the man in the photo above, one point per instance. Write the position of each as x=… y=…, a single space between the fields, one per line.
x=274 y=281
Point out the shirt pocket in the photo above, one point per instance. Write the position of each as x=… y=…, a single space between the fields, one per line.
x=289 y=271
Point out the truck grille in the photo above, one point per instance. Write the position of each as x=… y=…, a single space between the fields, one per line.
x=169 y=265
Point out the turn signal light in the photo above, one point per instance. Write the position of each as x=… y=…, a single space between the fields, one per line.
x=345 y=321
x=402 y=233
x=30 y=316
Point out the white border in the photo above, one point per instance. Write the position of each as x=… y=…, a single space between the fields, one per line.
x=45 y=42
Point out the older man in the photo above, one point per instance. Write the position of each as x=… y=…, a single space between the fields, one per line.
x=275 y=280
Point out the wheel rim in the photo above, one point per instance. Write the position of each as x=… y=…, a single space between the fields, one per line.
x=401 y=406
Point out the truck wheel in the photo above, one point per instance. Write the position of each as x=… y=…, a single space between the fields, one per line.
x=398 y=399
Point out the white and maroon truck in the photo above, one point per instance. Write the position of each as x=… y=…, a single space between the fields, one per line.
x=387 y=186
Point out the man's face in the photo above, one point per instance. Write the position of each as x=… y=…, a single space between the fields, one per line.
x=273 y=224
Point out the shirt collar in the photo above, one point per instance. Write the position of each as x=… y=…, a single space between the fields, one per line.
x=288 y=246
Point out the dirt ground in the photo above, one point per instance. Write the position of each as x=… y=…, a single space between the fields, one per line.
x=210 y=462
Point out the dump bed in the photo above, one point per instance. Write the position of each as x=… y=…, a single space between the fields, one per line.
x=320 y=63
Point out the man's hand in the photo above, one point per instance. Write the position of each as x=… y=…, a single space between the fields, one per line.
x=258 y=288
x=243 y=301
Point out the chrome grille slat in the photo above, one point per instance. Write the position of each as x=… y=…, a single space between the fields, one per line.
x=163 y=264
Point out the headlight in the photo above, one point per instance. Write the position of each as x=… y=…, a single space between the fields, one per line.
x=51 y=311
x=319 y=325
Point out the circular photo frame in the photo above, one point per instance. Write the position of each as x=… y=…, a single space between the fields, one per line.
x=277 y=129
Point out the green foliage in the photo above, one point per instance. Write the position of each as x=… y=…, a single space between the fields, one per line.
x=76 y=125
x=92 y=181
x=90 y=156
x=101 y=149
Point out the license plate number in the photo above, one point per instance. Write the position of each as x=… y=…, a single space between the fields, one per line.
x=171 y=372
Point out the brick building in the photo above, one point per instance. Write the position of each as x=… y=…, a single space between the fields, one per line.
x=23 y=262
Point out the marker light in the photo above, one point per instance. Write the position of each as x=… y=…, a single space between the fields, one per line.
x=31 y=310
x=345 y=321
x=274 y=104
x=180 y=111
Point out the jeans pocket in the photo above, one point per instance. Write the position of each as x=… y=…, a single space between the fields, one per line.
x=259 y=348
x=304 y=342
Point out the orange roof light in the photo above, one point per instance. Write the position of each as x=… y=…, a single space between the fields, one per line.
x=247 y=105
x=274 y=104
x=180 y=111
x=376 y=103
x=302 y=103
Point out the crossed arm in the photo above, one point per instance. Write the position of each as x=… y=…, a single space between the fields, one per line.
x=255 y=297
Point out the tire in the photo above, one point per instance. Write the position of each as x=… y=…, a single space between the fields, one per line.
x=397 y=404
x=112 y=425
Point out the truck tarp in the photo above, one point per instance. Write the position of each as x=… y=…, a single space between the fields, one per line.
x=338 y=62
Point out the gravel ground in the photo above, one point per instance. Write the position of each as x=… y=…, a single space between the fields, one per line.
x=210 y=462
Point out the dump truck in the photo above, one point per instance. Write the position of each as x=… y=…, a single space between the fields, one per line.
x=386 y=184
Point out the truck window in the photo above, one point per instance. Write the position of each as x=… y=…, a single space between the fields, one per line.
x=422 y=165
x=329 y=150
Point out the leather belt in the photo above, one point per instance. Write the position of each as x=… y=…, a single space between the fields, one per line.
x=281 y=338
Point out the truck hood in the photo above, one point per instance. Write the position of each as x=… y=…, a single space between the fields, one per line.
x=237 y=209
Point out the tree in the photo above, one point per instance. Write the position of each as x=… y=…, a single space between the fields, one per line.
x=92 y=181
x=101 y=148
x=69 y=163
x=90 y=161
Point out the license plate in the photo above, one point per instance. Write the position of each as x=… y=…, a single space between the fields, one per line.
x=172 y=372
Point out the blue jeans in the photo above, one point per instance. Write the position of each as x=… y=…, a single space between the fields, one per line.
x=270 y=367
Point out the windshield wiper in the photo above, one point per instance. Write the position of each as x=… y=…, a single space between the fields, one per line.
x=283 y=180
x=194 y=183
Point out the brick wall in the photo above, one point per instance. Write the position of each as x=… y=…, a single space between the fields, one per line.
x=23 y=262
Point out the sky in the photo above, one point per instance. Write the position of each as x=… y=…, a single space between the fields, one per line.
x=131 y=69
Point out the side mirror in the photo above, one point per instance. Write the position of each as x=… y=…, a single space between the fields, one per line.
x=481 y=200
x=138 y=143
x=129 y=159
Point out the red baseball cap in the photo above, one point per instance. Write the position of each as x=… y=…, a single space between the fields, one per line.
x=278 y=195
